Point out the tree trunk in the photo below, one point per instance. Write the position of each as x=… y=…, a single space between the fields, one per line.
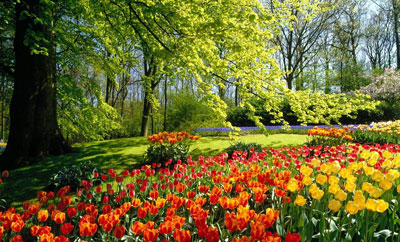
x=327 y=79
x=34 y=130
x=236 y=96
x=396 y=31
x=289 y=80
x=165 y=103
x=149 y=71
x=3 y=97
x=109 y=84
x=145 y=115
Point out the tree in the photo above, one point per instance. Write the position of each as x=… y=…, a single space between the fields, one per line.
x=34 y=131
x=298 y=40
x=385 y=87
x=379 y=40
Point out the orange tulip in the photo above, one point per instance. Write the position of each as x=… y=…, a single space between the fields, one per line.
x=42 y=215
x=182 y=235
x=150 y=235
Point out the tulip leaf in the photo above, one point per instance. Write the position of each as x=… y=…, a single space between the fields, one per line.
x=383 y=233
x=332 y=226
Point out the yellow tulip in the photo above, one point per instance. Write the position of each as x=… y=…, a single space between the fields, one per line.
x=350 y=187
x=367 y=187
x=335 y=167
x=382 y=206
x=300 y=200
x=371 y=204
x=333 y=180
x=387 y=154
x=372 y=161
x=341 y=195
x=315 y=163
x=369 y=170
x=292 y=185
x=352 y=207
x=385 y=185
x=334 y=205
x=365 y=154
x=317 y=194
x=377 y=176
x=325 y=168
x=321 y=179
x=333 y=188
x=376 y=192
x=307 y=180
x=345 y=172
x=306 y=171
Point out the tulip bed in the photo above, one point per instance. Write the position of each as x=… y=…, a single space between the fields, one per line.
x=382 y=132
x=329 y=136
x=348 y=192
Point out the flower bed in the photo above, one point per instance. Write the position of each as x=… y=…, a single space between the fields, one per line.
x=326 y=193
x=382 y=132
x=295 y=129
x=2 y=146
x=329 y=136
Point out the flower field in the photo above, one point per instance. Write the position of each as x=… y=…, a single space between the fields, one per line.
x=381 y=132
x=348 y=192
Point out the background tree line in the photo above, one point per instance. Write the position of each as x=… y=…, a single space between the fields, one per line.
x=110 y=69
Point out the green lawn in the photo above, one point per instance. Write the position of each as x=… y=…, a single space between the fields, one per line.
x=120 y=154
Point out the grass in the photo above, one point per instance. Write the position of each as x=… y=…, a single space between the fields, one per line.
x=119 y=154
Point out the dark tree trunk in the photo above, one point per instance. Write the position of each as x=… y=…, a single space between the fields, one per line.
x=165 y=103
x=236 y=96
x=289 y=80
x=149 y=71
x=34 y=130
x=396 y=31
x=108 y=84
x=2 y=118
x=145 y=115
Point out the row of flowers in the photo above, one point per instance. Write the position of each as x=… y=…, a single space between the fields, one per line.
x=171 y=138
x=328 y=193
x=381 y=127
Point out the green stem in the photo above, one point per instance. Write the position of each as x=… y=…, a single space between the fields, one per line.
x=340 y=225
x=366 y=225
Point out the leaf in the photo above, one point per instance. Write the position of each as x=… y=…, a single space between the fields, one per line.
x=279 y=228
x=383 y=233
x=332 y=226
x=314 y=221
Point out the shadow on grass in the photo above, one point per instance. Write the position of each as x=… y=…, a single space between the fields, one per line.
x=24 y=183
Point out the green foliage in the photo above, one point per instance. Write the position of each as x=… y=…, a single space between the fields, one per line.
x=317 y=140
x=81 y=120
x=383 y=111
x=186 y=113
x=161 y=153
x=244 y=147
x=319 y=108
x=72 y=175
x=370 y=137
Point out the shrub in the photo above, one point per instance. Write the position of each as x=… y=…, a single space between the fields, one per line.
x=167 y=148
x=242 y=147
x=72 y=176
x=187 y=113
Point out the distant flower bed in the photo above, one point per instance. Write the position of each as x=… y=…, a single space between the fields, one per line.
x=329 y=136
x=381 y=132
x=271 y=127
x=2 y=146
